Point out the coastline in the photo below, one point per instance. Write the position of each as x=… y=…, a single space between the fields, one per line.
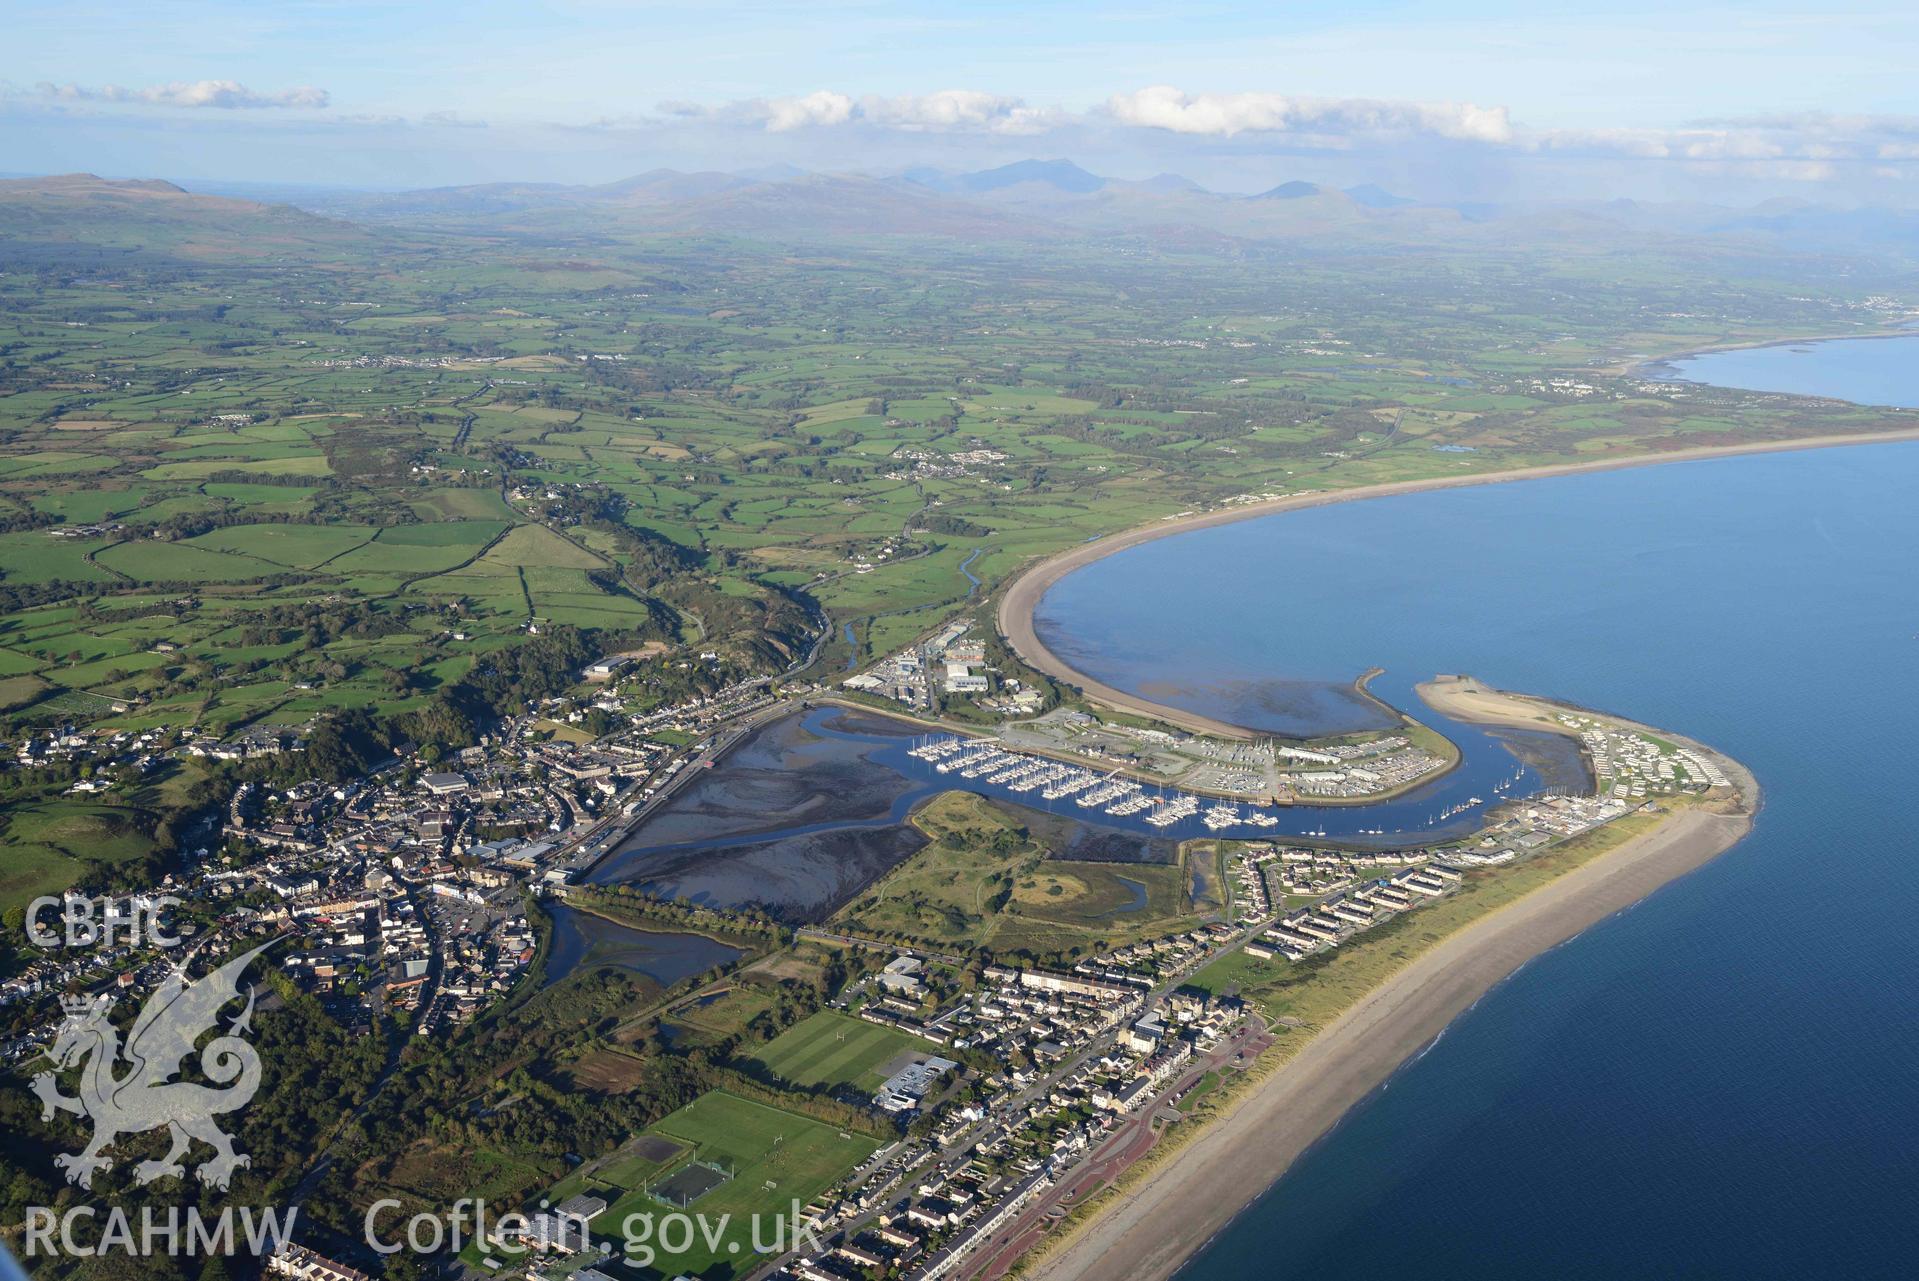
x=1209 y=1172
x=1648 y=366
x=1467 y=698
x=1154 y=1228
x=1014 y=615
x=1652 y=366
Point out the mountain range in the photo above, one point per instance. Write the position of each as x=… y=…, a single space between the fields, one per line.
x=1030 y=200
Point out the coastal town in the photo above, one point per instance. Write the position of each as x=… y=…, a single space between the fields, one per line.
x=758 y=643
x=1009 y=1092
x=411 y=894
x=404 y=893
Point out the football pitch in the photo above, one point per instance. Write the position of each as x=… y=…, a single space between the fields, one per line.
x=740 y=1160
x=836 y=1049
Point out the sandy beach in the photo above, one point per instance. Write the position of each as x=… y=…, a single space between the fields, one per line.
x=1661 y=368
x=1017 y=604
x=1467 y=699
x=1158 y=1225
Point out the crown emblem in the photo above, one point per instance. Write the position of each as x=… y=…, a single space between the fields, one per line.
x=76 y=1005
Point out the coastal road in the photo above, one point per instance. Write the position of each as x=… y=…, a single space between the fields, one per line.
x=1133 y=1140
x=1158 y=1224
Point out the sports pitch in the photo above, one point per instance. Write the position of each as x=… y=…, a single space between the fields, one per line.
x=740 y=1159
x=830 y=1048
x=688 y=1184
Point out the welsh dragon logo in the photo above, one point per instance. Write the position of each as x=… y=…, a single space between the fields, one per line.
x=145 y=1096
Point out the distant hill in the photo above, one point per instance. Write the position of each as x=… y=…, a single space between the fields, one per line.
x=843 y=204
x=1062 y=175
x=480 y=198
x=86 y=186
x=927 y=176
x=1168 y=182
x=151 y=216
x=1289 y=191
x=780 y=172
x=1029 y=200
x=1373 y=196
x=664 y=186
x=492 y=199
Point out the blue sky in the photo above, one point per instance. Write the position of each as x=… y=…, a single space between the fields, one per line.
x=1476 y=97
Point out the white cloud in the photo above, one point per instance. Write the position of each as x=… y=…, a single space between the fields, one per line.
x=1784 y=147
x=944 y=111
x=227 y=94
x=1224 y=115
x=823 y=107
x=958 y=110
x=1804 y=148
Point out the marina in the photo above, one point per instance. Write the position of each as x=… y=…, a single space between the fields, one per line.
x=1452 y=804
x=1022 y=774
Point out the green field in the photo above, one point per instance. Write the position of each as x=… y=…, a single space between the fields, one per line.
x=454 y=459
x=48 y=843
x=715 y=1018
x=987 y=879
x=831 y=1048
x=772 y=1158
x=295 y=546
x=183 y=562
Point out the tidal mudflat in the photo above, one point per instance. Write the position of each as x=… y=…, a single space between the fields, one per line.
x=580 y=938
x=809 y=811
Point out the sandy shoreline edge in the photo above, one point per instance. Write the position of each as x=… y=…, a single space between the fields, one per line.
x=1153 y=1229
x=1022 y=597
x=1157 y=1226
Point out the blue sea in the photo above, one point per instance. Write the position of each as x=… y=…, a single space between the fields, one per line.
x=1882 y=371
x=1720 y=1082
